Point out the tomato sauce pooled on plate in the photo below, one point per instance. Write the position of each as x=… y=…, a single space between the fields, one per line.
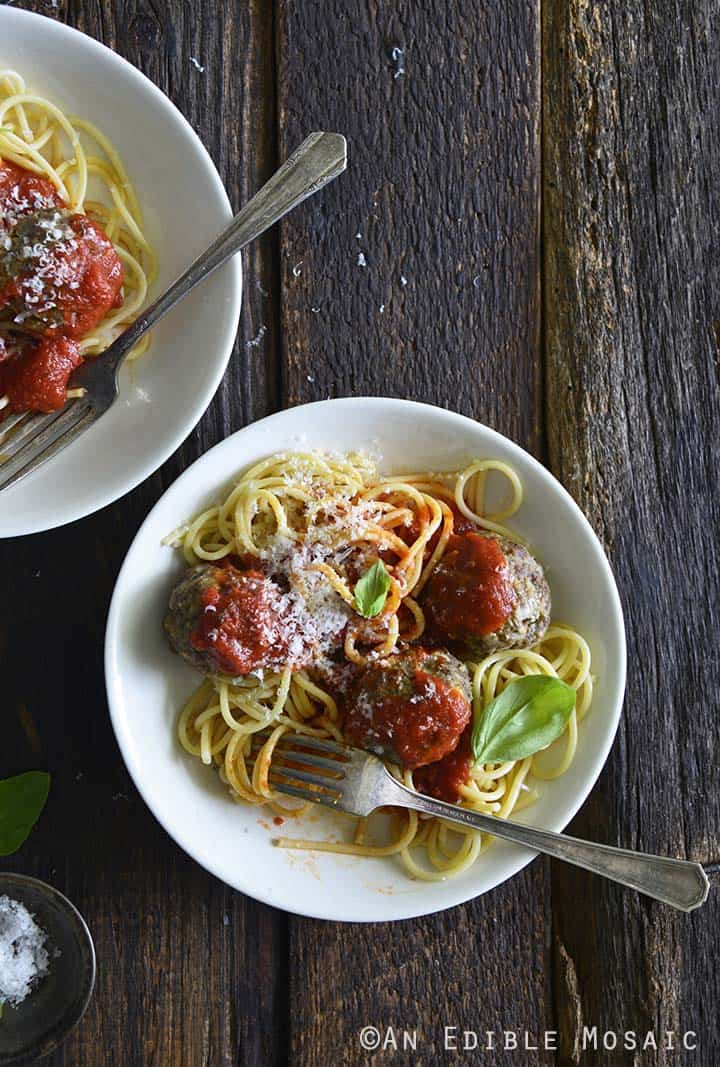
x=59 y=277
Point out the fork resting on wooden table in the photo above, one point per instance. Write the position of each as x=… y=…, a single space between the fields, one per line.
x=358 y=783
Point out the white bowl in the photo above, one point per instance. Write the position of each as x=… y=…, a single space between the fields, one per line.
x=147 y=683
x=185 y=206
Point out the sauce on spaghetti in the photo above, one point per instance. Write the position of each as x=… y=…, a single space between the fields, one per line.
x=443 y=778
x=59 y=277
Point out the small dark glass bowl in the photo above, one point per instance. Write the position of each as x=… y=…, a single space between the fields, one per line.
x=45 y=1018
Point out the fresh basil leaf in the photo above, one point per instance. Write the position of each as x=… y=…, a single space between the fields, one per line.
x=528 y=715
x=22 y=798
x=372 y=589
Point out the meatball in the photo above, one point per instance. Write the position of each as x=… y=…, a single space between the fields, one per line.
x=228 y=621
x=485 y=594
x=410 y=708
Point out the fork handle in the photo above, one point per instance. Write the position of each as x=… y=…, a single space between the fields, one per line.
x=680 y=883
x=318 y=160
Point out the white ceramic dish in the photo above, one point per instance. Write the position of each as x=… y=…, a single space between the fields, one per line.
x=147 y=683
x=185 y=205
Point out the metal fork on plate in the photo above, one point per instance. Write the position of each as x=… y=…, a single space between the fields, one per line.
x=357 y=782
x=29 y=440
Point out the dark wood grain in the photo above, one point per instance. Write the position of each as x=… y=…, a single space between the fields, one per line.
x=189 y=972
x=631 y=147
x=441 y=200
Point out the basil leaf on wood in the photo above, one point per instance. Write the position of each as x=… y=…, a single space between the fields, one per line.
x=22 y=799
x=372 y=589
x=528 y=715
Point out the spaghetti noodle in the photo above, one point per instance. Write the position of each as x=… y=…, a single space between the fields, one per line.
x=86 y=178
x=321 y=520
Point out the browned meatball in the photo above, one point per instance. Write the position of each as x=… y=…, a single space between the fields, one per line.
x=486 y=593
x=410 y=708
x=227 y=621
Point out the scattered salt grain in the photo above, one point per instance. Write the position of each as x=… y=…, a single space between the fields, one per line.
x=398 y=58
x=296 y=269
x=382 y=308
x=198 y=66
x=23 y=956
x=358 y=237
x=361 y=261
x=403 y=279
x=257 y=338
x=310 y=377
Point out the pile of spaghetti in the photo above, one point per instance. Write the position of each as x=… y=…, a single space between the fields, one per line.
x=64 y=168
x=321 y=520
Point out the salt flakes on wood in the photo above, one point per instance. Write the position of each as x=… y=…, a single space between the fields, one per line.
x=257 y=338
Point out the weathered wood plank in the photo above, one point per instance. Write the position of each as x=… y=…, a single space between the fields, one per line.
x=442 y=189
x=189 y=972
x=631 y=208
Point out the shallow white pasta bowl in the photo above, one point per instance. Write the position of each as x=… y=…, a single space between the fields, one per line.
x=166 y=391
x=147 y=684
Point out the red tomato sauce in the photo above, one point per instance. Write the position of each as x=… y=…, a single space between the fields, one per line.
x=240 y=625
x=444 y=778
x=23 y=193
x=38 y=380
x=411 y=730
x=469 y=592
x=59 y=277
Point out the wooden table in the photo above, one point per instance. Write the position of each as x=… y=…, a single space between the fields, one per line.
x=534 y=189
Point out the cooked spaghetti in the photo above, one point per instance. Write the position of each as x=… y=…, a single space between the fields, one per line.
x=270 y=611
x=75 y=264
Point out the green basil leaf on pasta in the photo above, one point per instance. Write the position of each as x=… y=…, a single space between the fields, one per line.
x=372 y=589
x=527 y=716
x=22 y=799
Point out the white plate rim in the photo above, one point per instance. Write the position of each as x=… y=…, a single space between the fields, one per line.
x=204 y=397
x=393 y=912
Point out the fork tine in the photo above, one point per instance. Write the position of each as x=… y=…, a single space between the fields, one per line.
x=43 y=446
x=317 y=742
x=303 y=776
x=306 y=795
x=311 y=759
x=293 y=747
x=27 y=430
x=12 y=420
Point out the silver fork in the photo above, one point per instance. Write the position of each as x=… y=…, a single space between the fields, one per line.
x=27 y=441
x=356 y=782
